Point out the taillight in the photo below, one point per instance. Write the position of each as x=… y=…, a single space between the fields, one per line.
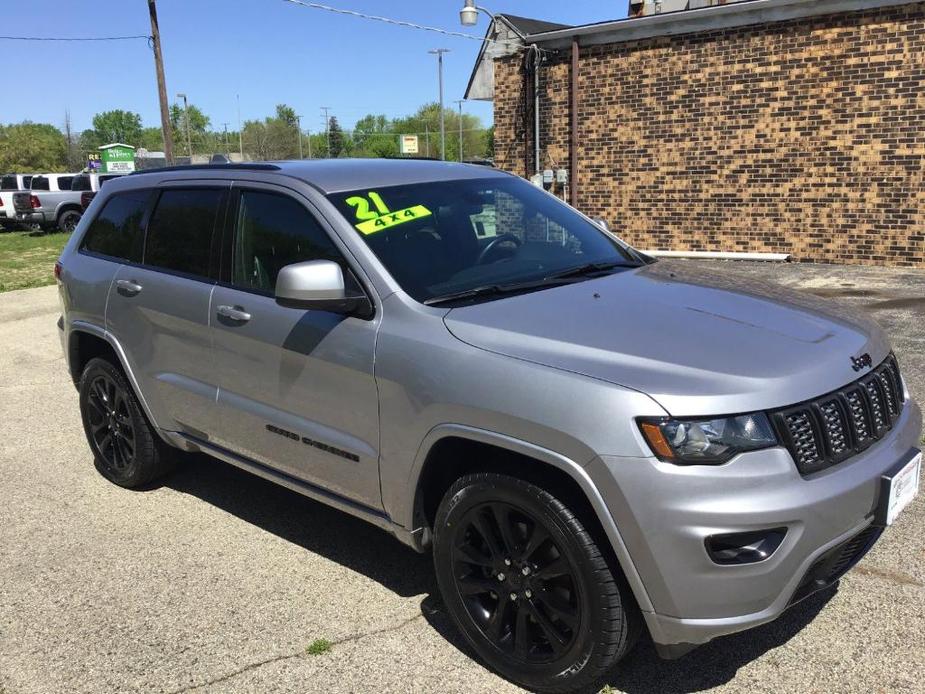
x=35 y=202
x=57 y=270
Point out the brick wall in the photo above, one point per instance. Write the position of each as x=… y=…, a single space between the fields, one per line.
x=805 y=137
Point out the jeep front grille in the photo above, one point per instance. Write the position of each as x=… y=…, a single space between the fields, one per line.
x=836 y=426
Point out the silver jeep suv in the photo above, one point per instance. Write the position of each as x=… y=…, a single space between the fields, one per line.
x=590 y=443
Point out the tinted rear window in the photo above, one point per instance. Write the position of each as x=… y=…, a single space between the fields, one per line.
x=64 y=182
x=116 y=231
x=8 y=183
x=180 y=231
x=80 y=183
x=40 y=183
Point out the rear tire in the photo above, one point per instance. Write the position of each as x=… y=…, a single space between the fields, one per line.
x=126 y=449
x=68 y=220
x=527 y=586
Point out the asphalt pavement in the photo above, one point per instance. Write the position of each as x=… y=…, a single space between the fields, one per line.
x=217 y=581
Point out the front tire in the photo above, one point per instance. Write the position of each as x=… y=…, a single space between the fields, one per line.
x=126 y=449
x=527 y=586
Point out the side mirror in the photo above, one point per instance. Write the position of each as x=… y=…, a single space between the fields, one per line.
x=319 y=285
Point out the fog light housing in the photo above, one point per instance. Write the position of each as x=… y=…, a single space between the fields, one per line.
x=744 y=548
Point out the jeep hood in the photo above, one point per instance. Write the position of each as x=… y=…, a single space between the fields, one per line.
x=698 y=343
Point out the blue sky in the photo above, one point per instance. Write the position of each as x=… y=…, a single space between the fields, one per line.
x=268 y=51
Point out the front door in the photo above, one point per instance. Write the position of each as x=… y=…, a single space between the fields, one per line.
x=296 y=387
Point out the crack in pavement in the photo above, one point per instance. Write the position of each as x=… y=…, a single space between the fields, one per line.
x=300 y=654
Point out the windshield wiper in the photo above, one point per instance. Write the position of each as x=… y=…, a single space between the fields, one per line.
x=490 y=290
x=587 y=269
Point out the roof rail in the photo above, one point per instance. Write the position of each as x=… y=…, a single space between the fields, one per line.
x=211 y=167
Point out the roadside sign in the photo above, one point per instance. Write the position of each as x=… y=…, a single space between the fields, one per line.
x=117 y=158
x=94 y=163
x=408 y=144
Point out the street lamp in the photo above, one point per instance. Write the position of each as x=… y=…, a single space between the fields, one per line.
x=460 y=102
x=439 y=53
x=189 y=144
x=298 y=120
x=469 y=14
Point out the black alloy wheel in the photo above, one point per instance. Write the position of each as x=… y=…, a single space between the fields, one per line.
x=126 y=449
x=69 y=221
x=111 y=430
x=515 y=583
x=528 y=587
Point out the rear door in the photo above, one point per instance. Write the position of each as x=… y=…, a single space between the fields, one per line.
x=296 y=387
x=159 y=308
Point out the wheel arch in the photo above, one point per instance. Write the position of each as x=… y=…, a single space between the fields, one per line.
x=451 y=451
x=67 y=207
x=87 y=341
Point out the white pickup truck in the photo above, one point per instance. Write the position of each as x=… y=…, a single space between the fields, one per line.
x=50 y=202
x=9 y=184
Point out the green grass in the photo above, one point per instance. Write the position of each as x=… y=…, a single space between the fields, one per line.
x=318 y=646
x=27 y=258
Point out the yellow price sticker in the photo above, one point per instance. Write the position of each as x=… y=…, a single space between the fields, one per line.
x=391 y=219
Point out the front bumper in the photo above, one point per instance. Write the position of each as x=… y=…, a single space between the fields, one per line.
x=666 y=512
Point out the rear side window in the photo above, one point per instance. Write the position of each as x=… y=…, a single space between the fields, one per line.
x=8 y=183
x=26 y=181
x=80 y=183
x=40 y=183
x=180 y=231
x=116 y=231
x=274 y=231
x=64 y=182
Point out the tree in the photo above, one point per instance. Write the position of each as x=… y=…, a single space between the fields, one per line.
x=74 y=158
x=275 y=137
x=373 y=137
x=151 y=139
x=37 y=147
x=337 y=138
x=255 y=139
x=198 y=124
x=118 y=126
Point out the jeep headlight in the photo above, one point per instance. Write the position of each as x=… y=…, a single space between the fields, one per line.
x=707 y=441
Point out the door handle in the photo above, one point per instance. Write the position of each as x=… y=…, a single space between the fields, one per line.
x=235 y=314
x=128 y=287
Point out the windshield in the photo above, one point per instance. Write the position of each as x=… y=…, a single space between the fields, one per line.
x=445 y=238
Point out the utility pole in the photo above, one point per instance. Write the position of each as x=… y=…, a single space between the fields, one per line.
x=309 y=134
x=327 y=128
x=225 y=136
x=427 y=138
x=460 y=103
x=189 y=143
x=298 y=120
x=161 y=82
x=439 y=53
x=240 y=132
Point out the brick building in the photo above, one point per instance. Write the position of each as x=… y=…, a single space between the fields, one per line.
x=794 y=126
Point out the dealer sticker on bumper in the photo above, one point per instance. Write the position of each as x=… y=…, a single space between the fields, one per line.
x=900 y=489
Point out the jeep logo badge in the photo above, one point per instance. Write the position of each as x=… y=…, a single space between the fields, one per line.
x=861 y=362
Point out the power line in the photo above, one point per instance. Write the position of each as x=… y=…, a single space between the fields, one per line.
x=76 y=38
x=400 y=23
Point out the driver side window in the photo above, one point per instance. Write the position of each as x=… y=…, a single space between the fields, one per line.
x=273 y=231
